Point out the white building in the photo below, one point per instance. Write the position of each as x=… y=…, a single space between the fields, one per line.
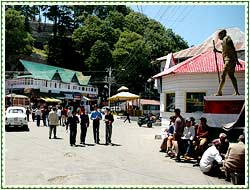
x=186 y=84
x=51 y=81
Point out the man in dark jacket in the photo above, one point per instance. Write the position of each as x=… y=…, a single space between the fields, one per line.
x=109 y=119
x=84 y=125
x=72 y=122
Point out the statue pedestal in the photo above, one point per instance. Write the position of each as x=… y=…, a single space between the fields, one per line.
x=221 y=110
x=223 y=104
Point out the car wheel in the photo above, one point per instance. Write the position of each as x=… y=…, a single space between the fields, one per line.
x=26 y=128
x=7 y=128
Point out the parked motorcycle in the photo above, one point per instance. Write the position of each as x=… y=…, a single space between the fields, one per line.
x=146 y=119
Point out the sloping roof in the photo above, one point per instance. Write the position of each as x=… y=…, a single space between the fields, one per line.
x=202 y=63
x=46 y=72
x=237 y=36
x=123 y=96
x=122 y=88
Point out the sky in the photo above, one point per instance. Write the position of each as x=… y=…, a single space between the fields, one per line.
x=195 y=23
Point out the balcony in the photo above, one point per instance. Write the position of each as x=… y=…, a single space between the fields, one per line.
x=44 y=86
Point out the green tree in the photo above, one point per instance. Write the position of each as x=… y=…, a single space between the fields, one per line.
x=18 y=42
x=99 y=58
x=131 y=54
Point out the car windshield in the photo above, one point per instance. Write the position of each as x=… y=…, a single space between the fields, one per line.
x=15 y=111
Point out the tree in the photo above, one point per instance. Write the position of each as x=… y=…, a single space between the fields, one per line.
x=131 y=54
x=99 y=58
x=18 y=41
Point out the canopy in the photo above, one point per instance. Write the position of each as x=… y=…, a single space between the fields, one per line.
x=16 y=96
x=46 y=99
x=123 y=88
x=123 y=96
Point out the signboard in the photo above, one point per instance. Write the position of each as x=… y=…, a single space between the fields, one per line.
x=68 y=96
x=43 y=90
x=77 y=96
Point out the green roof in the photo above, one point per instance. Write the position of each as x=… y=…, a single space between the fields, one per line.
x=46 y=72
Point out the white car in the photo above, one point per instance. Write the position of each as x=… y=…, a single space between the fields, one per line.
x=15 y=116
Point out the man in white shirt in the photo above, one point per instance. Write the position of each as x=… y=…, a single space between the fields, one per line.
x=59 y=114
x=187 y=138
x=211 y=159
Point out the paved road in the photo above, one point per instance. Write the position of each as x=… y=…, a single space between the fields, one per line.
x=33 y=159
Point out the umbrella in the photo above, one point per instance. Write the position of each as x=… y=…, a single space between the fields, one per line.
x=123 y=88
x=123 y=96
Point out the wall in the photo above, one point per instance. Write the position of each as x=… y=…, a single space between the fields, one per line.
x=194 y=82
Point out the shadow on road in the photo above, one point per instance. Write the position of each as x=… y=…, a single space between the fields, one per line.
x=79 y=145
x=58 y=138
x=113 y=144
x=89 y=144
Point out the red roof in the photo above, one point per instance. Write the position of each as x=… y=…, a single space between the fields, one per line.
x=202 y=63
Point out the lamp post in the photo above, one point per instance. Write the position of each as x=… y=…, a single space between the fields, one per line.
x=110 y=81
x=11 y=100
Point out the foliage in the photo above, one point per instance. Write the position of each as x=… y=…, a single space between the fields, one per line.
x=96 y=37
x=18 y=42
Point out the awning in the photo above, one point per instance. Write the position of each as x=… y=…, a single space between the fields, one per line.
x=84 y=97
x=47 y=99
x=123 y=96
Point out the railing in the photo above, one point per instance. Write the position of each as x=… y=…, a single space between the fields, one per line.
x=53 y=86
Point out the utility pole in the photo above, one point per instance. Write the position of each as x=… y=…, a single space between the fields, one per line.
x=110 y=82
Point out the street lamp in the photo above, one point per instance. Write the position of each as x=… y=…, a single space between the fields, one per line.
x=11 y=100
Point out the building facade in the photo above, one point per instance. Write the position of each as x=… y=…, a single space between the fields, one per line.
x=44 y=81
x=185 y=85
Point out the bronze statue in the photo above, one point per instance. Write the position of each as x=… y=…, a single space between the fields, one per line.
x=230 y=60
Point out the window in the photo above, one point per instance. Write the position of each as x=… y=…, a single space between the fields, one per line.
x=55 y=85
x=83 y=88
x=68 y=86
x=194 y=101
x=170 y=102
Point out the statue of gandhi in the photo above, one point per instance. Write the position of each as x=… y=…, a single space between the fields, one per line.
x=230 y=60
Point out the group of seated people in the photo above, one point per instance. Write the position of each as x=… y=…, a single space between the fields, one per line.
x=215 y=157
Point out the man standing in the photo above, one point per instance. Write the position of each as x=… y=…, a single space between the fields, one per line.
x=178 y=131
x=109 y=119
x=38 y=115
x=59 y=113
x=230 y=60
x=84 y=125
x=96 y=116
x=72 y=123
x=53 y=122
x=28 y=114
